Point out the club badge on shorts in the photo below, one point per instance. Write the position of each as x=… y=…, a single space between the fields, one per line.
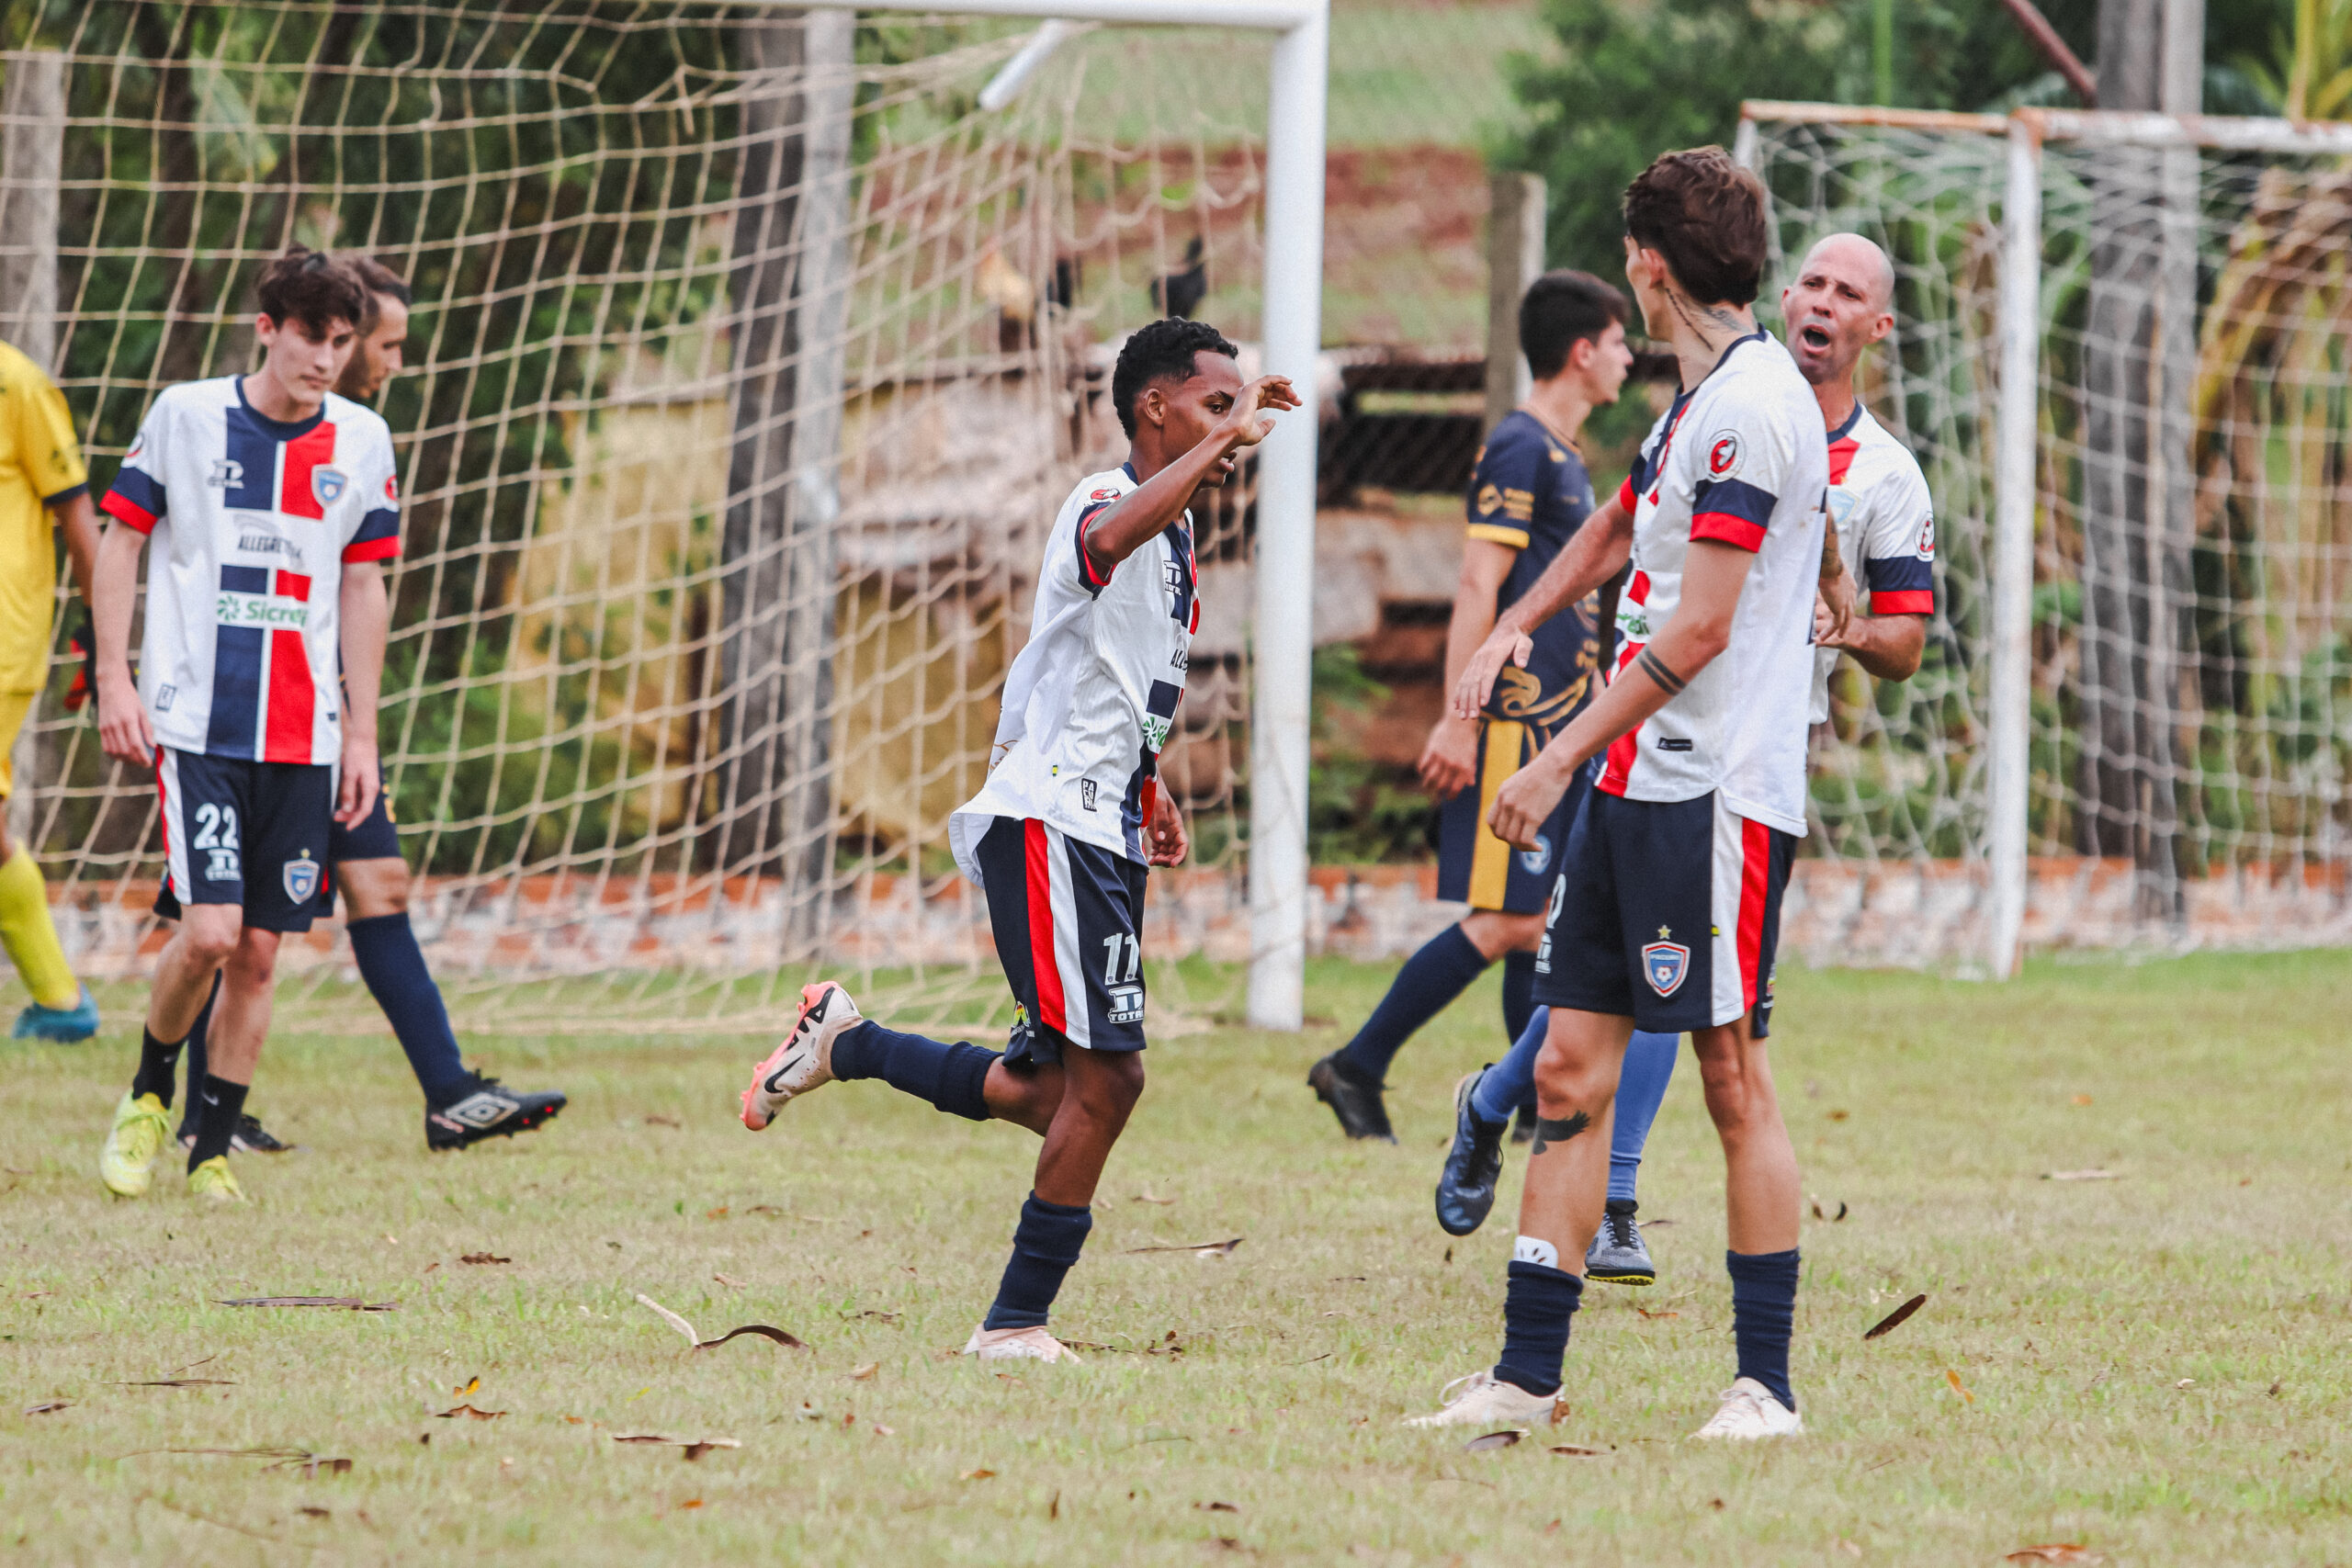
x=301 y=879
x=1663 y=963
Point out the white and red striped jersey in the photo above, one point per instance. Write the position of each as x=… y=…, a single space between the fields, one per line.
x=1090 y=701
x=1740 y=459
x=252 y=520
x=1886 y=529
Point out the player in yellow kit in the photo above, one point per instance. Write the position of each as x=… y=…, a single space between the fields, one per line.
x=41 y=476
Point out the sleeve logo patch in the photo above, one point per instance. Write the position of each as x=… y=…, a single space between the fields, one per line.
x=1722 y=455
x=1104 y=495
x=138 y=446
x=393 y=488
x=1490 y=500
x=1927 y=539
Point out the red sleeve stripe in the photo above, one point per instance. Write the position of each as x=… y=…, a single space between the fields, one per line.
x=128 y=512
x=1625 y=496
x=372 y=549
x=1904 y=602
x=1730 y=529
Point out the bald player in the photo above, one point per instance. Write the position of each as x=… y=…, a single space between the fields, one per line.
x=1840 y=303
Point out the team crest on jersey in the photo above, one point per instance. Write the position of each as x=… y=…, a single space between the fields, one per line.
x=1104 y=495
x=1722 y=455
x=1490 y=500
x=393 y=488
x=328 y=485
x=1927 y=538
x=1663 y=963
x=301 y=879
x=1534 y=861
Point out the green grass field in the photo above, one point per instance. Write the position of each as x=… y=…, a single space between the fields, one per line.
x=2154 y=1366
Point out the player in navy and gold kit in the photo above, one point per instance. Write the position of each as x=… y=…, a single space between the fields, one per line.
x=1528 y=497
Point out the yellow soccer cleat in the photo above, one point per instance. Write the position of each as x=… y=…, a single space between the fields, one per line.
x=213 y=1180
x=140 y=1131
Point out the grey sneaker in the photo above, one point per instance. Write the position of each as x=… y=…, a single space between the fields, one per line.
x=1618 y=1256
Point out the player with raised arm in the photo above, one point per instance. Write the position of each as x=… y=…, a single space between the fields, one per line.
x=365 y=866
x=1071 y=814
x=271 y=502
x=1529 y=494
x=42 y=477
x=1881 y=515
x=1667 y=911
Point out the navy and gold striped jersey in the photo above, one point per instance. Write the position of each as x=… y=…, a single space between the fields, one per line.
x=1530 y=493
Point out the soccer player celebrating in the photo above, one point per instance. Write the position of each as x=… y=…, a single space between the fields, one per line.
x=366 y=867
x=271 y=501
x=40 y=476
x=1529 y=494
x=1881 y=515
x=1071 y=814
x=1667 y=911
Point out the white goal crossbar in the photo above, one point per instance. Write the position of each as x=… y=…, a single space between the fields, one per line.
x=2018 y=487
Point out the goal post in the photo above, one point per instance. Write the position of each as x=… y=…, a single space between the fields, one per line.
x=753 y=347
x=2115 y=355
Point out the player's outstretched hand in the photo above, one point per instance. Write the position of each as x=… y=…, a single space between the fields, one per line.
x=1525 y=803
x=1168 y=845
x=1241 y=425
x=123 y=729
x=355 y=796
x=1451 y=758
x=1477 y=688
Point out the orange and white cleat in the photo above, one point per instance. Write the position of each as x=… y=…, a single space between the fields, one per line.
x=804 y=1059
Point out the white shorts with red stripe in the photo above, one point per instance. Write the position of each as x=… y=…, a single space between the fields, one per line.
x=1068 y=916
x=1667 y=913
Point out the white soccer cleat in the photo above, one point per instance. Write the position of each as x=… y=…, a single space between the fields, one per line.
x=1750 y=1411
x=804 y=1059
x=1030 y=1344
x=1484 y=1400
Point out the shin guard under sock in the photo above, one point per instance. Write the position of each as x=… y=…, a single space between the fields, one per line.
x=218 y=1105
x=1536 y=1309
x=1763 y=1313
x=952 y=1078
x=1045 y=1245
x=1432 y=978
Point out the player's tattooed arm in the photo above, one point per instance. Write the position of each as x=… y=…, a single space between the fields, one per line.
x=1242 y=420
x=1837 y=591
x=1656 y=669
x=1594 y=554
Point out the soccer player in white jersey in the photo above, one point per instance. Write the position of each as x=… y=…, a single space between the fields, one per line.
x=1071 y=814
x=271 y=502
x=1840 y=303
x=1667 y=911
x=366 y=867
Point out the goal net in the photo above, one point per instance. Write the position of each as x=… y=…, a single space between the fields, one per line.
x=751 y=357
x=2178 y=526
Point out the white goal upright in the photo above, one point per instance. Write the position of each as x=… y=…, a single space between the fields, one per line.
x=753 y=349
x=2121 y=357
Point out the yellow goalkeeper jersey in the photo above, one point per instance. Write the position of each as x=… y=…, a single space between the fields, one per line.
x=40 y=465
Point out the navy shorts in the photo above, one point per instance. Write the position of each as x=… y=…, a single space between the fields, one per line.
x=1473 y=867
x=374 y=839
x=242 y=832
x=1667 y=913
x=1068 y=917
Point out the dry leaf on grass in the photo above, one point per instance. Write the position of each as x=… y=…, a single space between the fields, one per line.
x=466 y=1410
x=1199 y=1248
x=2079 y=1176
x=348 y=1303
x=691 y=1503
x=1148 y=1198
x=1958 y=1387
x=978 y=1475
x=51 y=1408
x=472 y=1385
x=311 y=1512
x=658 y=1120
x=484 y=1257
x=1833 y=1218
x=1577 y=1451
x=880 y=1430
x=865 y=1373
x=1491 y=1440
x=1646 y=1313
x=180 y=1383
x=1896 y=1318
x=1220 y=1507
x=2058 y=1551
x=695 y=1341
x=731 y=1284
x=695 y=1447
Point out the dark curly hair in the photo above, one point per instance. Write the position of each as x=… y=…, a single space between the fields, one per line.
x=1161 y=351
x=306 y=286
x=1705 y=215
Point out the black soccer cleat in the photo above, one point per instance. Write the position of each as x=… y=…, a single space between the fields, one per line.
x=250 y=1138
x=1522 y=1126
x=487 y=1110
x=1618 y=1256
x=1465 y=1188
x=1357 y=1104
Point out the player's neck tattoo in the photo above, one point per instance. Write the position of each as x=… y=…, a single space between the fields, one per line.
x=1717 y=327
